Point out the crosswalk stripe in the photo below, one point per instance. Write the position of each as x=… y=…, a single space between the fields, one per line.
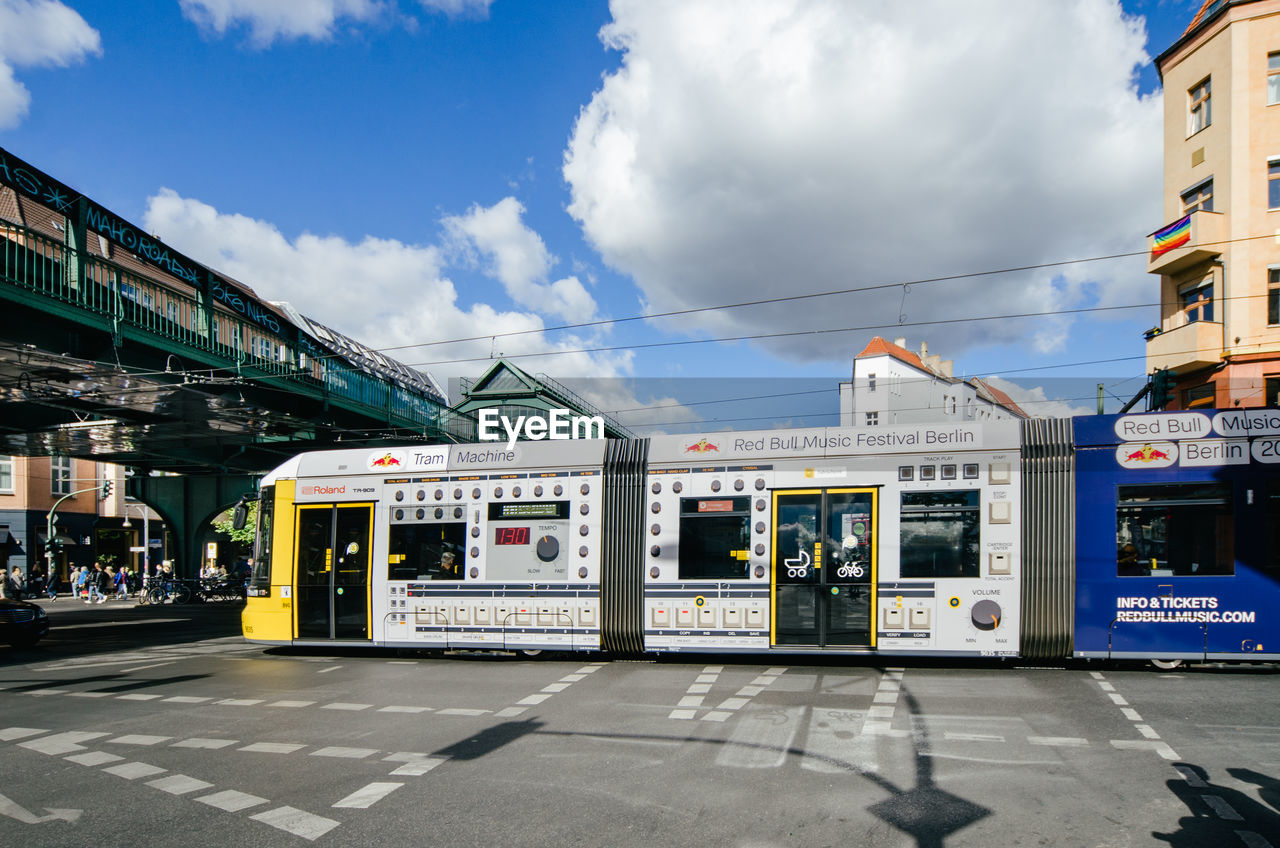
x=133 y=771
x=178 y=784
x=9 y=734
x=367 y=796
x=298 y=822
x=231 y=800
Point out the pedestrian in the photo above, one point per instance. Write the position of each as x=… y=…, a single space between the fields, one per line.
x=6 y=590
x=51 y=585
x=121 y=585
x=78 y=578
x=95 y=582
x=18 y=583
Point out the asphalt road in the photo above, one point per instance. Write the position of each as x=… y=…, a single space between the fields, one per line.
x=159 y=726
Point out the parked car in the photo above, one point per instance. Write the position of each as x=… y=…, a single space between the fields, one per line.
x=22 y=624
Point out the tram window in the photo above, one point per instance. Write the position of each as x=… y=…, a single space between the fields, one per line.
x=1273 y=525
x=940 y=534
x=261 y=576
x=715 y=538
x=427 y=551
x=1174 y=529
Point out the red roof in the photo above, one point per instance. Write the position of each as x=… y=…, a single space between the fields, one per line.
x=879 y=347
x=1000 y=397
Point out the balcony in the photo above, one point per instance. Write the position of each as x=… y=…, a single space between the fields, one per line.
x=1206 y=239
x=1187 y=348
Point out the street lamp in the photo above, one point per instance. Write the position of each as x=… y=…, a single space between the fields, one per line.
x=146 y=534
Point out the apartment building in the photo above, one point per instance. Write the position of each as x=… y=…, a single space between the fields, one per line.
x=1218 y=254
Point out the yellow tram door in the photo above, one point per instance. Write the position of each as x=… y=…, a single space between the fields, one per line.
x=824 y=567
x=333 y=546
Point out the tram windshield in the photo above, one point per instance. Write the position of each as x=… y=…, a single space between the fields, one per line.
x=260 y=579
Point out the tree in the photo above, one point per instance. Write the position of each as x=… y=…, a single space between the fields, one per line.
x=244 y=536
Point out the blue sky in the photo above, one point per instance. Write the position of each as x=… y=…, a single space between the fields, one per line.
x=423 y=170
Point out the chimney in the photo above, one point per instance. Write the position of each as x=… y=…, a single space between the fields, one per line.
x=947 y=366
x=901 y=341
x=924 y=350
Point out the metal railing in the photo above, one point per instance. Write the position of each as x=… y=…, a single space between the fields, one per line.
x=47 y=268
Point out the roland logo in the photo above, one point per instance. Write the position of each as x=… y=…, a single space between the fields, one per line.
x=324 y=490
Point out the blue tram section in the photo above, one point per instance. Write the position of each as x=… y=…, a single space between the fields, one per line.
x=1176 y=535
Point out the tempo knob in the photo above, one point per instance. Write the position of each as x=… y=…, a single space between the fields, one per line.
x=548 y=548
x=986 y=615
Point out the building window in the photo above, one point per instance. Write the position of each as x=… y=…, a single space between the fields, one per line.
x=1273 y=296
x=1200 y=197
x=1199 y=396
x=1197 y=301
x=1201 y=106
x=60 y=475
x=1273 y=79
x=871 y=382
x=873 y=418
x=1273 y=184
x=1273 y=390
x=6 y=475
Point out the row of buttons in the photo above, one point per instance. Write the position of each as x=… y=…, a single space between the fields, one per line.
x=705 y=616
x=738 y=486
x=516 y=492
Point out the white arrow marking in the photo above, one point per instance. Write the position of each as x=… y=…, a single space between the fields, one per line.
x=14 y=811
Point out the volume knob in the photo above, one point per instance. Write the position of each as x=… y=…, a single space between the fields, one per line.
x=985 y=615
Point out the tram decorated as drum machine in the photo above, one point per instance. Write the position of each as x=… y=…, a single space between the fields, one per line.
x=1137 y=536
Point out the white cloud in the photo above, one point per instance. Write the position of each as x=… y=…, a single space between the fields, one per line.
x=383 y=292
x=1035 y=401
x=516 y=256
x=36 y=33
x=459 y=8
x=766 y=147
x=268 y=20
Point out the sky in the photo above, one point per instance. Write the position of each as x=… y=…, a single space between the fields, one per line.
x=415 y=172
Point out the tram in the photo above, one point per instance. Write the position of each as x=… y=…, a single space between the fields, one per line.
x=1149 y=536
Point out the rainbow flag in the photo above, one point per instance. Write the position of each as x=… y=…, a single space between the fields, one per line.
x=1175 y=235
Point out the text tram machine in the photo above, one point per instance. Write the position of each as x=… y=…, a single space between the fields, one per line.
x=880 y=540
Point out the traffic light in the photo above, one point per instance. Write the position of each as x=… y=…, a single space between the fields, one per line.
x=106 y=489
x=1161 y=388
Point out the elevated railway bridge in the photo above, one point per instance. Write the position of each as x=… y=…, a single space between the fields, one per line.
x=117 y=348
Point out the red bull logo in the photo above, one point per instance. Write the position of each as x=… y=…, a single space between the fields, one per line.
x=702 y=446
x=1147 y=454
x=386 y=460
x=1150 y=455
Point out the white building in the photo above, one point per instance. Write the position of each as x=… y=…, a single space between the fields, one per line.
x=891 y=385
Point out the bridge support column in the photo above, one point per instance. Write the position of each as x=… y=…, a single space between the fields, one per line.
x=187 y=505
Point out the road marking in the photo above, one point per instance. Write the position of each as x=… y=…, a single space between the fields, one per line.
x=1146 y=745
x=404 y=709
x=510 y=712
x=459 y=711
x=698 y=688
x=367 y=796
x=90 y=694
x=298 y=822
x=590 y=669
x=1131 y=714
x=345 y=753
x=137 y=697
x=211 y=744
x=14 y=810
x=1146 y=731
x=133 y=771
x=94 y=758
x=690 y=701
x=1060 y=741
x=39 y=692
x=1189 y=774
x=533 y=700
x=683 y=714
x=1117 y=699
x=145 y=667
x=572 y=678
x=1106 y=687
x=717 y=715
x=272 y=748
x=1222 y=808
x=329 y=669
x=138 y=739
x=291 y=704
x=179 y=784
x=971 y=737
x=1252 y=840
x=762 y=738
x=9 y=734
x=417 y=768
x=231 y=800
x=122 y=623
x=836 y=743
x=239 y=702
x=61 y=743
x=186 y=699
x=348 y=707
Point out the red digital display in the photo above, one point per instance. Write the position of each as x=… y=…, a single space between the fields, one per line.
x=511 y=536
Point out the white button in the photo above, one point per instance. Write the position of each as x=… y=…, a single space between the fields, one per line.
x=999 y=472
x=1000 y=512
x=998 y=563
